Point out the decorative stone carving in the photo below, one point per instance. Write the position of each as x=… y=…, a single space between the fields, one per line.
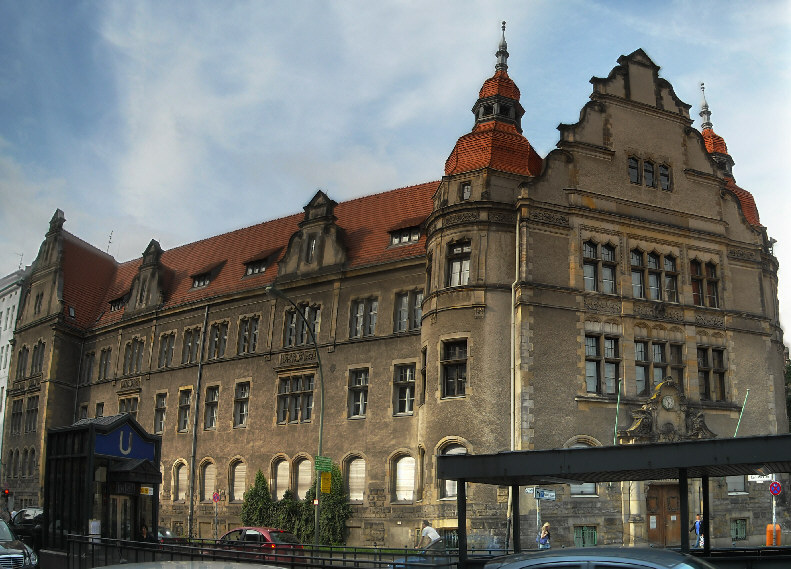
x=602 y=305
x=298 y=357
x=130 y=383
x=659 y=311
x=498 y=217
x=742 y=254
x=666 y=417
x=549 y=217
x=478 y=311
x=709 y=321
x=462 y=217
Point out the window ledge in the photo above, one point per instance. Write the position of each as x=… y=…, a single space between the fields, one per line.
x=585 y=496
x=356 y=417
x=403 y=414
x=739 y=493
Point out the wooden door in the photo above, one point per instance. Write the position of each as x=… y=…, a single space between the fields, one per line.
x=663 y=515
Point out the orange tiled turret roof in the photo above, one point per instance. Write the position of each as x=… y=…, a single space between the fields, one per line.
x=714 y=142
x=495 y=145
x=499 y=84
x=746 y=200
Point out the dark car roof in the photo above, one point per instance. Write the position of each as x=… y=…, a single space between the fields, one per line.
x=657 y=557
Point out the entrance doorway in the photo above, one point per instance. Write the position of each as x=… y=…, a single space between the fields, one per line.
x=664 y=515
x=120 y=517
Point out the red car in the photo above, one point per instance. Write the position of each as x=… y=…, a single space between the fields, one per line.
x=273 y=544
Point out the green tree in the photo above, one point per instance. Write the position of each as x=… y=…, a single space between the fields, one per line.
x=335 y=510
x=258 y=508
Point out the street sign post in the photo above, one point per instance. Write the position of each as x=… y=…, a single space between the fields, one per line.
x=544 y=494
x=323 y=464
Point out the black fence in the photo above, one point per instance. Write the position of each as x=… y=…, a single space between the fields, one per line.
x=86 y=552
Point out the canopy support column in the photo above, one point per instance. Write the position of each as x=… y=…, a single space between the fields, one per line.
x=683 y=491
x=461 y=508
x=515 y=517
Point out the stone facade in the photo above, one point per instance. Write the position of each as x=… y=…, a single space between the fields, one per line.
x=619 y=290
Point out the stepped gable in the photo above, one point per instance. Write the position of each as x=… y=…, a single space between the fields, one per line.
x=365 y=222
x=496 y=140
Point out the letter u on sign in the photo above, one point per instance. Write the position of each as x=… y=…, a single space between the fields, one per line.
x=128 y=449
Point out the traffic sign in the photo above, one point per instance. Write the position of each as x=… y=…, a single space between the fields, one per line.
x=775 y=488
x=323 y=464
x=545 y=494
x=215 y=497
x=326 y=482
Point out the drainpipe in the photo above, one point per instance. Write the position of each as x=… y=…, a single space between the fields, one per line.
x=191 y=515
x=512 y=414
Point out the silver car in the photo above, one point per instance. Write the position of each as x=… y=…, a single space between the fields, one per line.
x=600 y=558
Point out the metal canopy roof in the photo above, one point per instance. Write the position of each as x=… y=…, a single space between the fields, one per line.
x=711 y=457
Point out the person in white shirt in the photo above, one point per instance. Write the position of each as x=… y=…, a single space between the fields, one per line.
x=429 y=538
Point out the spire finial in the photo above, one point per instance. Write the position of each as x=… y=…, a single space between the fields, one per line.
x=502 y=54
x=705 y=114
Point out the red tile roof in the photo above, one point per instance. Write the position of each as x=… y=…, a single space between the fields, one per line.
x=93 y=279
x=499 y=84
x=497 y=145
x=747 y=201
x=714 y=142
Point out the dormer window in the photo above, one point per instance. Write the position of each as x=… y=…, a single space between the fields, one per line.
x=202 y=280
x=117 y=304
x=255 y=267
x=405 y=236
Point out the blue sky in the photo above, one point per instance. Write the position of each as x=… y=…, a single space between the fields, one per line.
x=180 y=120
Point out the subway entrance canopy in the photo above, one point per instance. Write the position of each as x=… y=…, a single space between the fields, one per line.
x=657 y=461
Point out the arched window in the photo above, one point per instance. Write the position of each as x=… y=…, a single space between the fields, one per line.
x=281 y=479
x=16 y=463
x=449 y=488
x=23 y=469
x=404 y=479
x=238 y=481
x=355 y=479
x=303 y=478
x=180 y=482
x=31 y=462
x=208 y=481
x=587 y=488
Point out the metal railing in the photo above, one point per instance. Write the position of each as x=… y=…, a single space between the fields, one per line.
x=87 y=552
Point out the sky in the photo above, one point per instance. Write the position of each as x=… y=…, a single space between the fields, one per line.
x=179 y=120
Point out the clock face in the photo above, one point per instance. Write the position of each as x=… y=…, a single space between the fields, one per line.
x=668 y=402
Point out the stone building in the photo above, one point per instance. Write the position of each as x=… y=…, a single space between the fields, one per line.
x=619 y=290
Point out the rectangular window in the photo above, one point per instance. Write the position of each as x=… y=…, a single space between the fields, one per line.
x=735 y=484
x=408 y=310
x=705 y=285
x=87 y=367
x=634 y=170
x=128 y=405
x=185 y=397
x=210 y=412
x=404 y=389
x=241 y=404
x=298 y=329
x=202 y=280
x=664 y=177
x=405 y=236
x=648 y=174
x=159 y=412
x=248 y=335
x=602 y=366
x=104 y=363
x=711 y=373
x=585 y=536
x=31 y=414
x=739 y=529
x=598 y=267
x=358 y=392
x=166 y=343
x=16 y=417
x=653 y=367
x=99 y=410
x=363 y=317
x=133 y=356
x=459 y=263
x=218 y=337
x=295 y=399
x=454 y=368
x=189 y=351
x=255 y=267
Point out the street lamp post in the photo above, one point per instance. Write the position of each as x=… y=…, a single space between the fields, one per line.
x=273 y=290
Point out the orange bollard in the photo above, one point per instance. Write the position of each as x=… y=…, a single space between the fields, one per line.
x=769 y=534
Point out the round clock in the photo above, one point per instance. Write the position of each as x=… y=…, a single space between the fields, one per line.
x=668 y=402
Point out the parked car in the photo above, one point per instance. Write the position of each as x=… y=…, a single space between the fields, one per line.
x=604 y=556
x=164 y=535
x=196 y=564
x=270 y=544
x=422 y=560
x=13 y=552
x=27 y=525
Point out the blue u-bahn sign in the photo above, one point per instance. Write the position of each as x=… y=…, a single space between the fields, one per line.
x=125 y=442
